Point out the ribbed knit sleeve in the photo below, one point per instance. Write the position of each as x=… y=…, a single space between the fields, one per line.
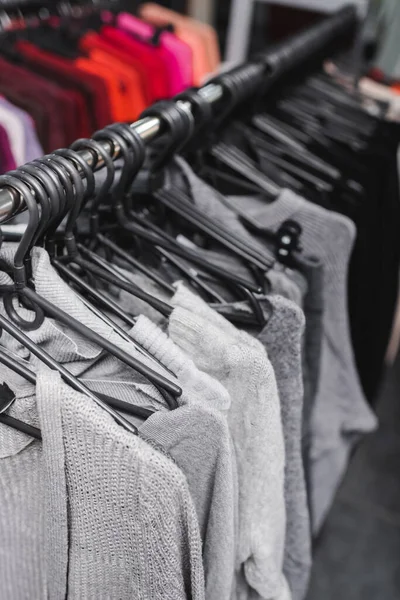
x=197 y=385
x=55 y=493
x=23 y=566
x=256 y=428
x=132 y=527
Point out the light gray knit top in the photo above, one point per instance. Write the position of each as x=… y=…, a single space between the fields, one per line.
x=340 y=413
x=197 y=436
x=254 y=418
x=94 y=512
x=282 y=338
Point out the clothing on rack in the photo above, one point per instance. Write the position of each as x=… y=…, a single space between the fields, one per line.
x=183 y=363
x=92 y=69
x=201 y=38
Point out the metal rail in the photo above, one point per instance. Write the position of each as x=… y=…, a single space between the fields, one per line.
x=148 y=129
x=290 y=55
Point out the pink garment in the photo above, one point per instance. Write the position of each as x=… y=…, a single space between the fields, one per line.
x=176 y=54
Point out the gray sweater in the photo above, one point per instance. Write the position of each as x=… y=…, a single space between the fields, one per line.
x=196 y=435
x=256 y=427
x=211 y=475
x=282 y=338
x=107 y=375
x=340 y=414
x=92 y=511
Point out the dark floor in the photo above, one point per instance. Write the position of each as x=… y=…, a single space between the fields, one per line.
x=358 y=556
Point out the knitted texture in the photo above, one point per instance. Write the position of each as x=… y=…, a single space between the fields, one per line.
x=31 y=545
x=22 y=522
x=132 y=528
x=340 y=413
x=92 y=511
x=109 y=376
x=282 y=339
x=289 y=284
x=312 y=349
x=70 y=347
x=198 y=438
x=255 y=424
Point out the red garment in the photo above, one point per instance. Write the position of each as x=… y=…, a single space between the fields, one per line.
x=25 y=89
x=82 y=119
x=130 y=85
x=151 y=86
x=176 y=54
x=66 y=73
x=152 y=58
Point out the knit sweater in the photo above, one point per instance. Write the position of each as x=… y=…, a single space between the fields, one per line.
x=112 y=518
x=340 y=414
x=255 y=424
x=282 y=339
x=196 y=435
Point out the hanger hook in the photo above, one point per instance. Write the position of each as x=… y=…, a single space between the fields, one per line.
x=179 y=124
x=20 y=274
x=109 y=135
x=97 y=150
x=75 y=161
x=40 y=195
x=25 y=245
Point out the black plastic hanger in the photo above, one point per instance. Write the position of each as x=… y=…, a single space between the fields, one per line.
x=65 y=374
x=30 y=376
x=73 y=248
x=235 y=283
x=236 y=160
x=123 y=141
x=41 y=305
x=272 y=137
x=97 y=199
x=175 y=122
x=152 y=233
x=74 y=256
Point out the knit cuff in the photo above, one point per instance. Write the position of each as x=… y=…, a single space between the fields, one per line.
x=188 y=330
x=153 y=339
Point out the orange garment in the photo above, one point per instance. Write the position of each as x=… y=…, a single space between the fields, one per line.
x=201 y=38
x=152 y=85
x=112 y=84
x=134 y=98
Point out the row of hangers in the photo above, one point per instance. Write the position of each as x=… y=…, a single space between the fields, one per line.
x=131 y=209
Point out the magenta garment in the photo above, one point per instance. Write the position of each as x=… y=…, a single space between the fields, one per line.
x=177 y=54
x=7 y=162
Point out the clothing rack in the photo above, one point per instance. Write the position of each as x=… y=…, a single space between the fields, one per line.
x=241 y=82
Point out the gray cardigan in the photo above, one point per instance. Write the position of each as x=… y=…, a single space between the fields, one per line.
x=92 y=512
